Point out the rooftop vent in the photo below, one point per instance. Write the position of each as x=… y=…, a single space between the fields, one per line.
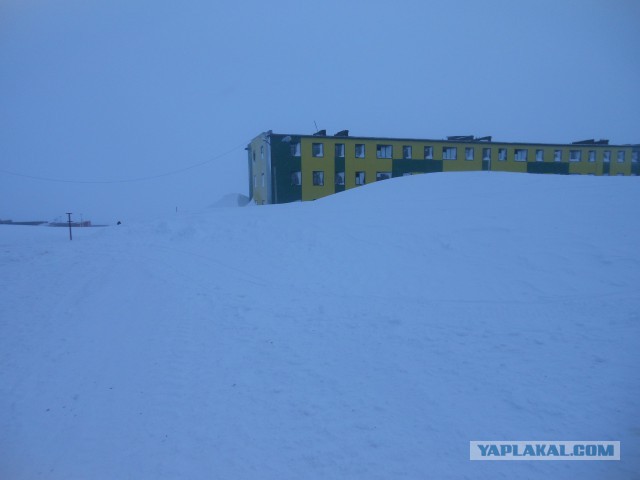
x=342 y=133
x=468 y=138
x=460 y=138
x=591 y=141
x=320 y=133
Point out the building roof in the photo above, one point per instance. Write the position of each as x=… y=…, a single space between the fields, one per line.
x=470 y=139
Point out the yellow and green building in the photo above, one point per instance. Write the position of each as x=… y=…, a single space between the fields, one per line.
x=287 y=168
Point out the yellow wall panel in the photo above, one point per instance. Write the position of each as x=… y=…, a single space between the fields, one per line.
x=324 y=164
x=584 y=166
x=618 y=168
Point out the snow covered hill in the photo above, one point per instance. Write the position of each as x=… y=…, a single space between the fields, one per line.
x=369 y=335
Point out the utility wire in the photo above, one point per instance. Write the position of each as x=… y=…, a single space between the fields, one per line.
x=126 y=180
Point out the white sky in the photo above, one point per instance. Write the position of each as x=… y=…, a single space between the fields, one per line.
x=110 y=90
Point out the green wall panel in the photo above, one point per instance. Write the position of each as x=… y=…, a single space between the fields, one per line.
x=561 y=168
x=400 y=166
x=282 y=165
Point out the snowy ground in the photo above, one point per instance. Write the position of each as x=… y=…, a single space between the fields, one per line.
x=368 y=335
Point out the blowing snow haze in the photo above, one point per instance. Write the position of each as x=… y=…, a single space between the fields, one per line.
x=102 y=101
x=369 y=334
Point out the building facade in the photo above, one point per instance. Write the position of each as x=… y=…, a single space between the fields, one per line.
x=287 y=168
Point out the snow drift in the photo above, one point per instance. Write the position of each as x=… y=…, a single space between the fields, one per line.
x=370 y=334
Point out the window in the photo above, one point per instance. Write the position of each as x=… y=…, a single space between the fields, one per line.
x=339 y=150
x=295 y=149
x=634 y=156
x=262 y=179
x=360 y=178
x=620 y=156
x=340 y=178
x=520 y=154
x=606 y=156
x=486 y=154
x=406 y=152
x=382 y=176
x=318 y=178
x=296 y=178
x=502 y=154
x=468 y=153
x=359 y=150
x=384 y=151
x=428 y=153
x=317 y=150
x=557 y=155
x=255 y=181
x=575 y=155
x=449 y=153
x=262 y=152
x=254 y=156
x=539 y=155
x=592 y=155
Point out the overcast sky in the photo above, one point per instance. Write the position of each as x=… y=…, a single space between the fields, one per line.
x=118 y=90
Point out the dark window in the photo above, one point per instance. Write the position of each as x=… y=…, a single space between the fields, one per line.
x=317 y=150
x=520 y=154
x=557 y=155
x=449 y=153
x=468 y=153
x=428 y=153
x=318 y=178
x=384 y=151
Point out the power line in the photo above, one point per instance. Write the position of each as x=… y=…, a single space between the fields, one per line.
x=126 y=180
